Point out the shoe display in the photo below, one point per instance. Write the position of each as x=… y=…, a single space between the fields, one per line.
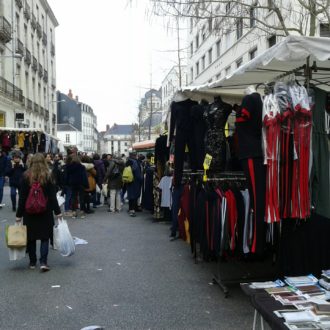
x=44 y=268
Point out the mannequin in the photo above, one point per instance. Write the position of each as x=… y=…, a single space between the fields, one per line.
x=215 y=117
x=249 y=90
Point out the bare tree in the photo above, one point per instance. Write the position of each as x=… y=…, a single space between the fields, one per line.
x=281 y=17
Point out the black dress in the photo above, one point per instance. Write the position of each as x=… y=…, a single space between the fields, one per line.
x=216 y=117
x=39 y=226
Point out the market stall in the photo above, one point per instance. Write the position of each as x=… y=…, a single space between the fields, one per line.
x=280 y=96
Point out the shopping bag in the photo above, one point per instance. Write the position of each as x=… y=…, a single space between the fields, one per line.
x=16 y=236
x=60 y=199
x=98 y=190
x=63 y=241
x=16 y=253
x=105 y=190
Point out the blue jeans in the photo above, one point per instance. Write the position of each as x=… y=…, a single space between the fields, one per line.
x=176 y=196
x=13 y=193
x=32 y=247
x=2 y=183
x=68 y=196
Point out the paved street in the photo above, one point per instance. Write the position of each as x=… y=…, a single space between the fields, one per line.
x=129 y=276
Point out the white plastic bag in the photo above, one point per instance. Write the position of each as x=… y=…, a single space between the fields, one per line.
x=98 y=190
x=63 y=241
x=105 y=190
x=16 y=254
x=60 y=199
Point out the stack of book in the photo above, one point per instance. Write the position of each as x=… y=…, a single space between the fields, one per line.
x=325 y=280
x=298 y=281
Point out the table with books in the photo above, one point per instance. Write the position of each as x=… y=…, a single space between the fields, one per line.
x=301 y=302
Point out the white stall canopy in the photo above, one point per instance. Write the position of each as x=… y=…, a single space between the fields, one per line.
x=297 y=57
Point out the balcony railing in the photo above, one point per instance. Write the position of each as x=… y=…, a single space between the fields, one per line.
x=34 y=64
x=53 y=82
x=29 y=104
x=27 y=11
x=45 y=76
x=39 y=30
x=33 y=22
x=36 y=107
x=40 y=70
x=19 y=47
x=10 y=90
x=44 y=39
x=19 y=3
x=27 y=57
x=52 y=49
x=5 y=30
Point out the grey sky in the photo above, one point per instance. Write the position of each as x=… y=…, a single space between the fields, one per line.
x=104 y=51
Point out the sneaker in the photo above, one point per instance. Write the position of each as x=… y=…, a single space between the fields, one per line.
x=68 y=214
x=89 y=211
x=110 y=211
x=74 y=215
x=44 y=268
x=32 y=266
x=82 y=215
x=132 y=214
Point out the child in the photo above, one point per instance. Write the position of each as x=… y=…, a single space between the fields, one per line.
x=165 y=185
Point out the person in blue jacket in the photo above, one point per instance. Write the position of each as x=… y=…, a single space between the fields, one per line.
x=134 y=188
x=14 y=170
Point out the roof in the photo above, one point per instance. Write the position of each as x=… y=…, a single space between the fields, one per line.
x=66 y=128
x=120 y=130
x=286 y=56
x=156 y=120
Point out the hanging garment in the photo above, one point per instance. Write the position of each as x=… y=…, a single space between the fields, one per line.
x=271 y=138
x=247 y=222
x=216 y=116
x=302 y=140
x=183 y=217
x=42 y=141
x=27 y=142
x=162 y=153
x=20 y=140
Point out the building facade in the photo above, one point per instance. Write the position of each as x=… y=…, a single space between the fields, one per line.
x=149 y=109
x=89 y=128
x=173 y=81
x=27 y=65
x=118 y=140
x=218 y=46
x=81 y=117
x=70 y=136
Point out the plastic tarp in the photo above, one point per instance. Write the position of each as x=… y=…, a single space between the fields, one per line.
x=143 y=145
x=289 y=54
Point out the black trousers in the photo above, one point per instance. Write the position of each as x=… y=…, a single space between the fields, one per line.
x=194 y=139
x=255 y=172
x=132 y=204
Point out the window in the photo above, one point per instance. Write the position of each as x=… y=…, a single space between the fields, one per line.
x=253 y=12
x=210 y=56
x=203 y=63
x=218 y=47
x=272 y=41
x=217 y=77
x=191 y=23
x=324 y=30
x=191 y=49
x=253 y=53
x=197 y=41
x=67 y=138
x=270 y=4
x=239 y=62
x=227 y=7
x=210 y=24
x=191 y=74
x=203 y=33
x=197 y=69
x=239 y=28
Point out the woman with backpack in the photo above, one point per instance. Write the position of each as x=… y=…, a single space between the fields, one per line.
x=36 y=205
x=115 y=182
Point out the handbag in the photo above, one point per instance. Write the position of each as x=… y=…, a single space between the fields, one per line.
x=105 y=190
x=16 y=236
x=60 y=199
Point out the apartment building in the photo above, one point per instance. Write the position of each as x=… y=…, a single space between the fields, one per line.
x=89 y=128
x=27 y=65
x=230 y=36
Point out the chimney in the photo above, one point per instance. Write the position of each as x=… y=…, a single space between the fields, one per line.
x=107 y=127
x=77 y=98
x=70 y=94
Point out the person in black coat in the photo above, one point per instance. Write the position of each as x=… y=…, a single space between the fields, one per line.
x=3 y=167
x=15 y=170
x=39 y=226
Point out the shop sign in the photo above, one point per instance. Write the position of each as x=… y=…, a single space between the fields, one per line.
x=19 y=116
x=2 y=120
